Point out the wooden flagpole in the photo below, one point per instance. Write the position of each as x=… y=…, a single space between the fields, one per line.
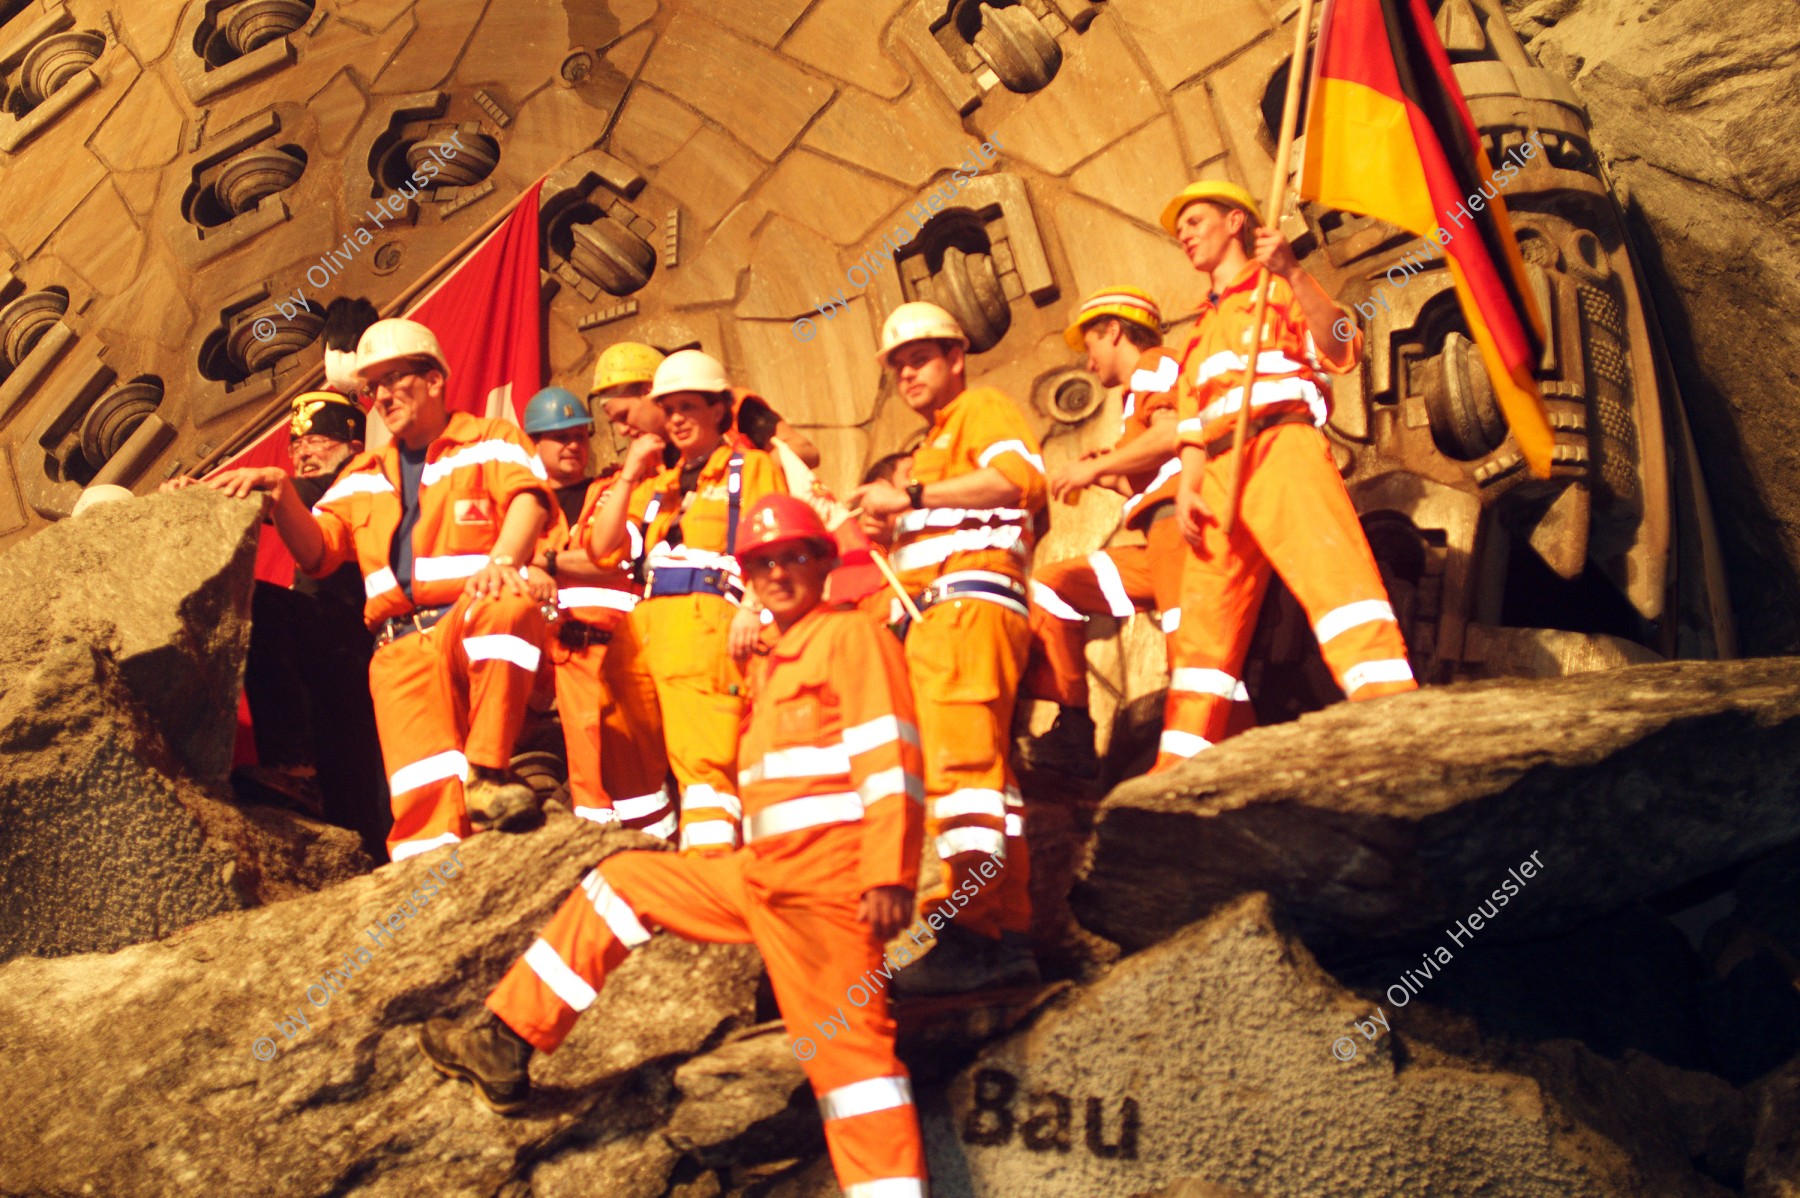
x=1284 y=152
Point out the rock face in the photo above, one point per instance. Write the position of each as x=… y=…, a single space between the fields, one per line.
x=1379 y=822
x=122 y=636
x=1694 y=109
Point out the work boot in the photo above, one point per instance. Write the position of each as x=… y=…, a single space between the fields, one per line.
x=498 y=802
x=1066 y=747
x=491 y=1055
x=961 y=961
x=1014 y=962
x=291 y=787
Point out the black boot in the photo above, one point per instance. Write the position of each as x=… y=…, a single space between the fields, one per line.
x=491 y=1055
x=1066 y=747
x=498 y=802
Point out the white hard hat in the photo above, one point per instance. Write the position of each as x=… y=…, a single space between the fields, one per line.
x=98 y=494
x=688 y=370
x=918 y=321
x=393 y=340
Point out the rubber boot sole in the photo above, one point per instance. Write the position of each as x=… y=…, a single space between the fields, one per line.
x=499 y=1104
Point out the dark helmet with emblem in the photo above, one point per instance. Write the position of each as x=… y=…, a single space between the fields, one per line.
x=327 y=414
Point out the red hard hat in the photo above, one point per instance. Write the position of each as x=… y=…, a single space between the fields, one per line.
x=776 y=519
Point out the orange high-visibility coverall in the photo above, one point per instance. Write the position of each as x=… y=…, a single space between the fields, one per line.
x=625 y=783
x=454 y=695
x=684 y=637
x=966 y=654
x=830 y=769
x=1294 y=516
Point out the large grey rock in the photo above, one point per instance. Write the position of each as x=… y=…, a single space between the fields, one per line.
x=136 y=1073
x=122 y=635
x=1386 y=820
x=1208 y=1065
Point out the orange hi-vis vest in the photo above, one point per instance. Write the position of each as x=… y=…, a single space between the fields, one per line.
x=979 y=428
x=473 y=472
x=1289 y=368
x=832 y=739
x=605 y=603
x=1151 y=389
x=657 y=504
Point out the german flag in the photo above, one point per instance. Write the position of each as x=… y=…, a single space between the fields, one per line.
x=1389 y=135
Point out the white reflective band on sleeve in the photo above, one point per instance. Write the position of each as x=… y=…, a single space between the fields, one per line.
x=892 y=781
x=636 y=536
x=614 y=910
x=1171 y=620
x=1343 y=619
x=412 y=848
x=564 y=982
x=380 y=582
x=1106 y=573
x=444 y=569
x=887 y=1187
x=598 y=815
x=704 y=834
x=1268 y=391
x=638 y=806
x=1193 y=426
x=1365 y=673
x=503 y=646
x=663 y=828
x=956 y=841
x=882 y=730
x=1182 y=744
x=1150 y=382
x=435 y=768
x=1196 y=681
x=1053 y=603
x=477 y=454
x=969 y=801
x=921 y=519
x=1015 y=826
x=605 y=597
x=355 y=484
x=802 y=761
x=1268 y=362
x=938 y=549
x=699 y=794
x=865 y=1098
x=999 y=448
x=810 y=812
x=1164 y=473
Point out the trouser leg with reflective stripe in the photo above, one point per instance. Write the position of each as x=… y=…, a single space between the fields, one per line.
x=578 y=703
x=686 y=645
x=421 y=747
x=494 y=649
x=633 y=763
x=1115 y=582
x=965 y=658
x=815 y=950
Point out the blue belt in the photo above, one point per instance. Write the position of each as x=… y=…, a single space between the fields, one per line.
x=1008 y=595
x=691 y=580
x=393 y=629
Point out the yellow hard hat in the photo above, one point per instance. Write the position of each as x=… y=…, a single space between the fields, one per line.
x=394 y=340
x=624 y=362
x=918 y=321
x=1219 y=192
x=1126 y=303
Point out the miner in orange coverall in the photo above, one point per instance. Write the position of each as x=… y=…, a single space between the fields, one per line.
x=441 y=523
x=1294 y=515
x=963 y=540
x=593 y=603
x=1120 y=331
x=694 y=622
x=830 y=769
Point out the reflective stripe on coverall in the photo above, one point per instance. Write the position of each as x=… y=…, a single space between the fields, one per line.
x=830 y=770
x=966 y=655
x=455 y=695
x=1294 y=516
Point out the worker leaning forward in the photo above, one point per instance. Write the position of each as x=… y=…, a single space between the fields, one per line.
x=830 y=769
x=440 y=523
x=1294 y=515
x=593 y=602
x=695 y=624
x=1120 y=331
x=963 y=538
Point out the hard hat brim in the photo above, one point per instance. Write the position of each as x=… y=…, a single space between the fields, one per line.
x=557 y=426
x=884 y=356
x=364 y=371
x=1174 y=208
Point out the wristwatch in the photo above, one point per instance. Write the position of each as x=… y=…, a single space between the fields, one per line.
x=550 y=562
x=915 y=494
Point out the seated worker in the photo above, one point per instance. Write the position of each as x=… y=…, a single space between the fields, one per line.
x=1294 y=515
x=824 y=879
x=593 y=603
x=685 y=517
x=439 y=523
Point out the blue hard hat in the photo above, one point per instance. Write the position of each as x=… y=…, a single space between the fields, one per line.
x=554 y=409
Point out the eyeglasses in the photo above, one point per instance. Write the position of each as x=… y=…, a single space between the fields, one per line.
x=313 y=443
x=391 y=380
x=762 y=564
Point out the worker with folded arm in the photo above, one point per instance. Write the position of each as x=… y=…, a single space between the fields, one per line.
x=830 y=769
x=962 y=542
x=695 y=623
x=440 y=523
x=1294 y=515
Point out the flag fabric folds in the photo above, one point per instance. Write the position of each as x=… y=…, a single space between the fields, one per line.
x=1389 y=135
